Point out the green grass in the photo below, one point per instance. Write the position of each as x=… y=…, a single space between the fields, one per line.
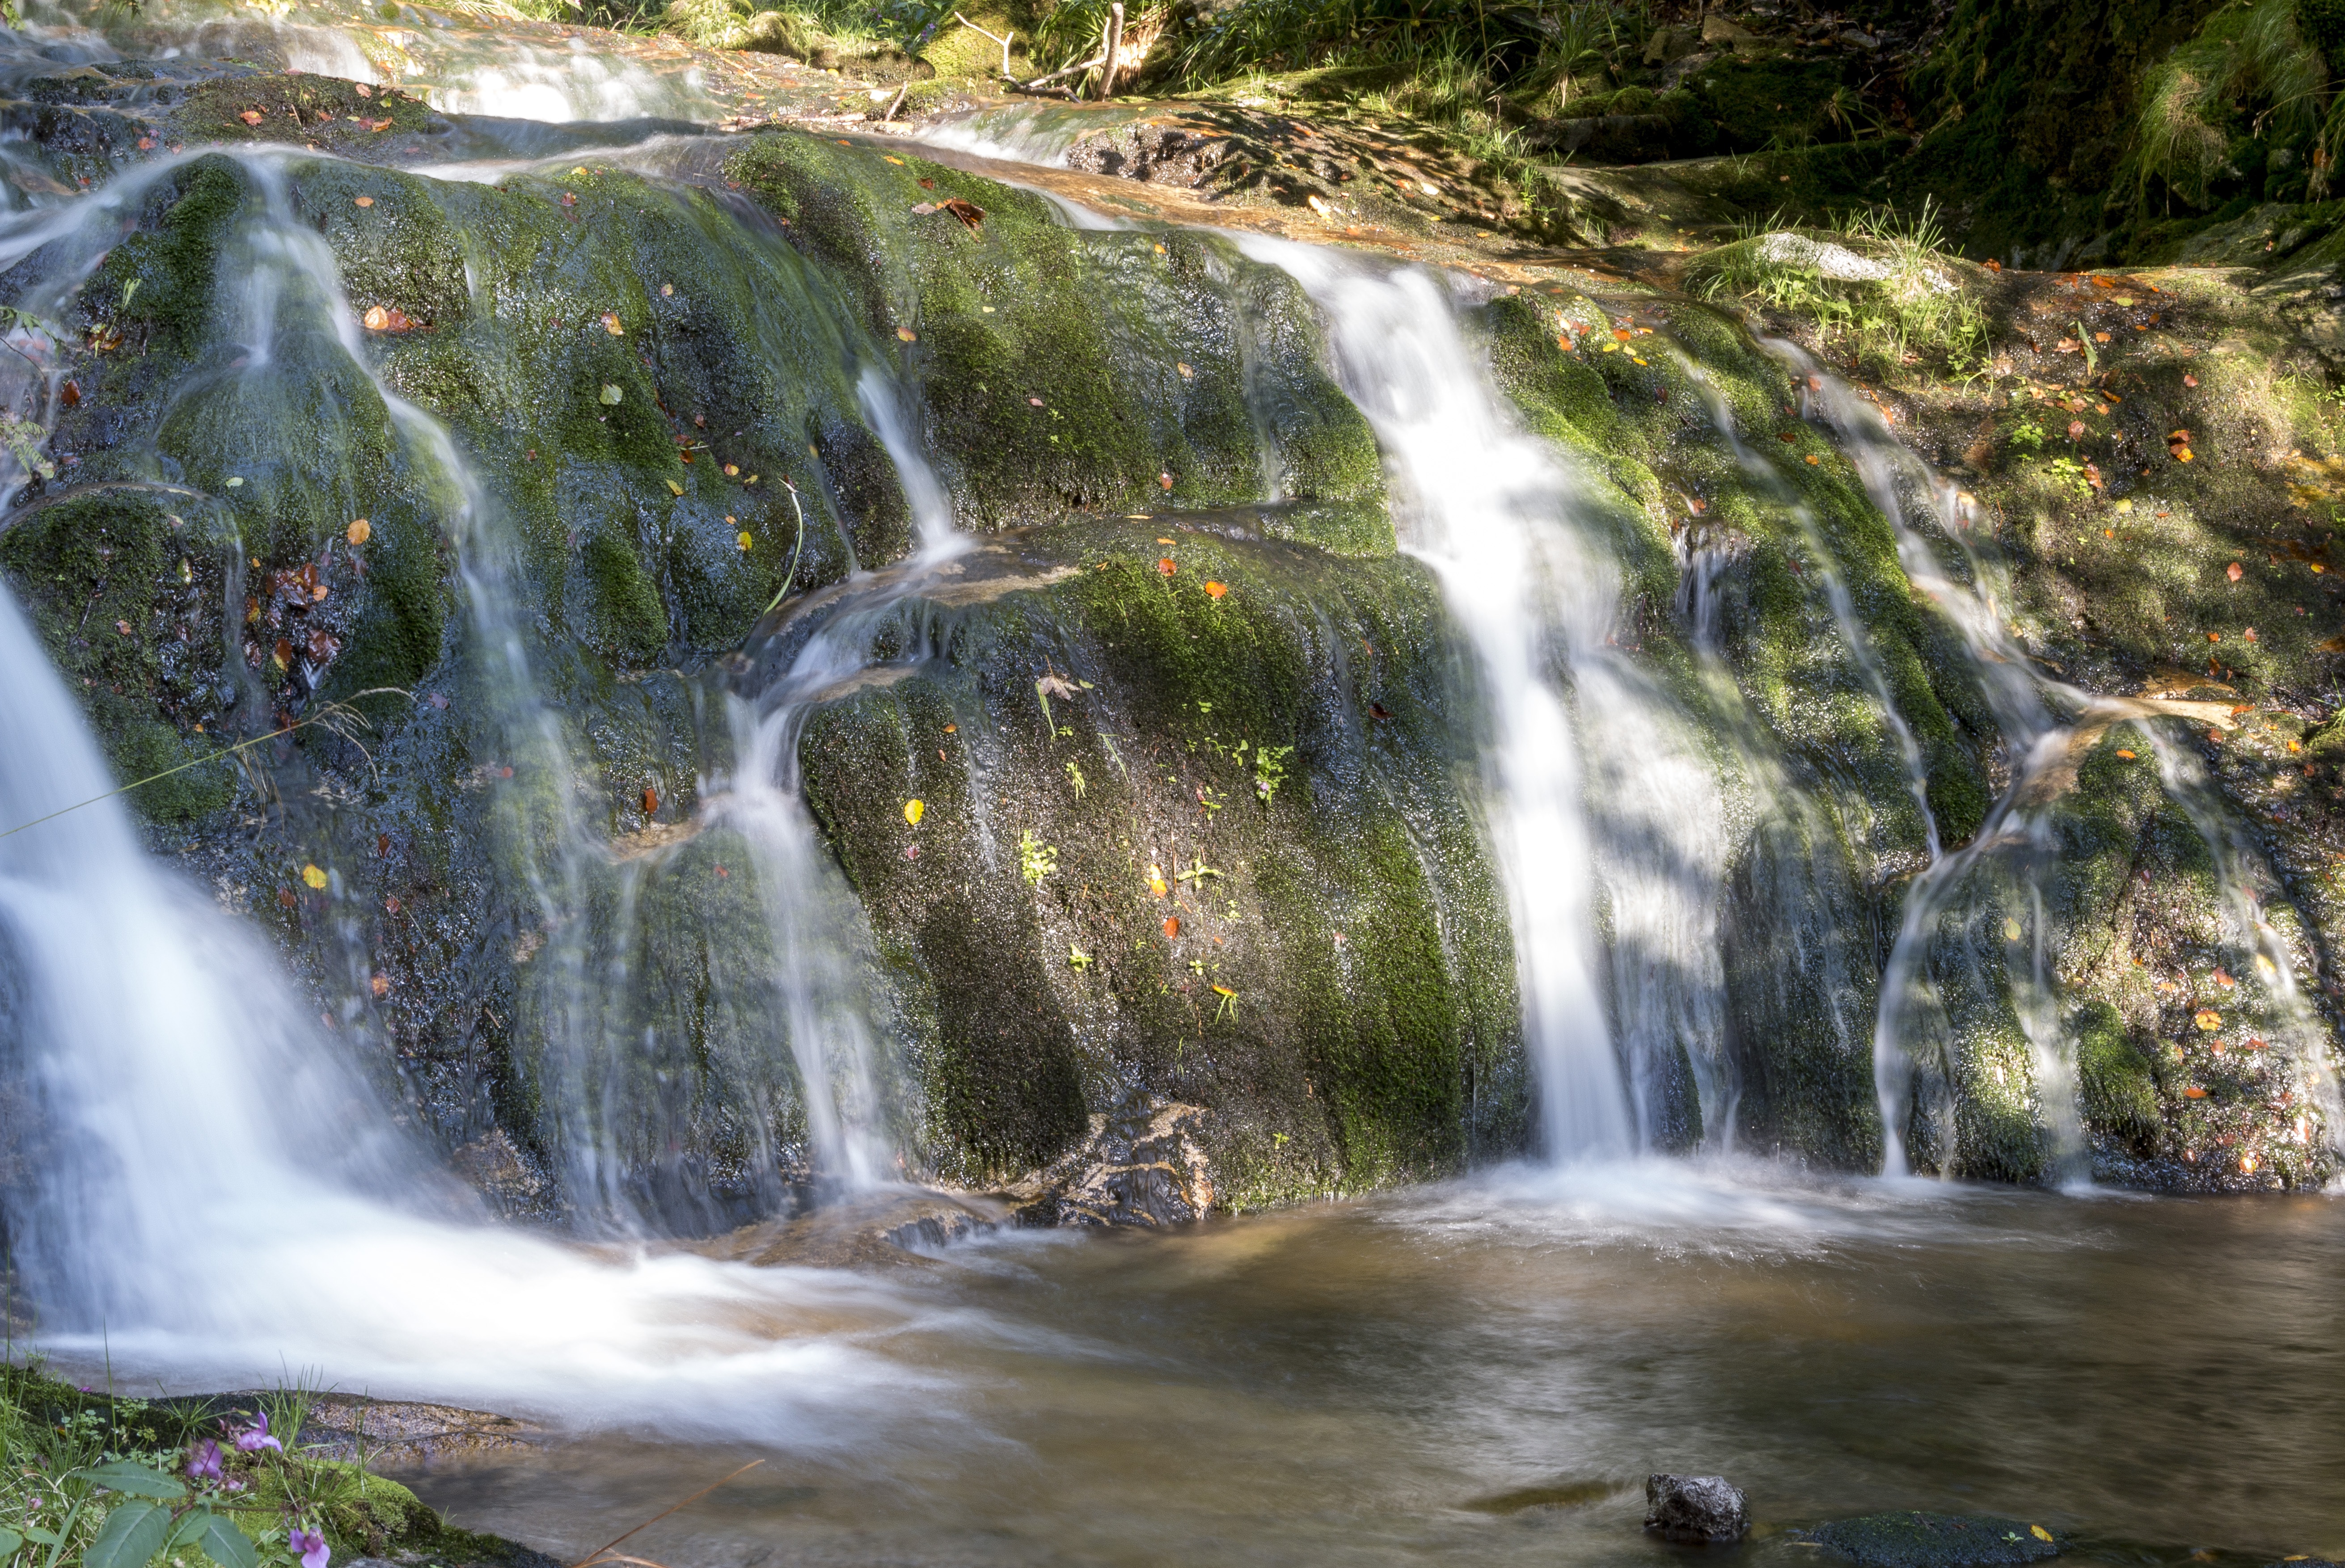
x=1918 y=308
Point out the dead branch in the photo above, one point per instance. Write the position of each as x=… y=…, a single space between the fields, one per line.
x=996 y=37
x=1114 y=43
x=1093 y=64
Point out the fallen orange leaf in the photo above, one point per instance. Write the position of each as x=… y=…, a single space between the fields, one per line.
x=651 y=800
x=1215 y=589
x=2233 y=571
x=362 y=201
x=610 y=324
x=2126 y=754
x=1172 y=925
x=250 y=117
x=359 y=532
x=1164 y=565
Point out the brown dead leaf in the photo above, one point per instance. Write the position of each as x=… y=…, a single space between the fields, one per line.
x=250 y=117
x=2233 y=571
x=972 y=216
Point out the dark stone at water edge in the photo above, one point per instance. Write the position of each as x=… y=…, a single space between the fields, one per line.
x=1695 y=1507
x=1935 y=1540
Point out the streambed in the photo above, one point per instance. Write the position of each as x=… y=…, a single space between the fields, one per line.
x=1483 y=1372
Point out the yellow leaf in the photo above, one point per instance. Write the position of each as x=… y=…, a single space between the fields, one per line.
x=2208 y=1019
x=2011 y=930
x=313 y=876
x=359 y=532
x=914 y=810
x=610 y=324
x=611 y=395
x=674 y=488
x=907 y=334
x=2038 y=1532
x=744 y=540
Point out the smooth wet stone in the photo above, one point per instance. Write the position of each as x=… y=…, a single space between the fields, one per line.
x=1706 y=1508
x=1935 y=1540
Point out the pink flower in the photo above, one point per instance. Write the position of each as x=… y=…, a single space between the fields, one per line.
x=309 y=1545
x=204 y=1460
x=255 y=1438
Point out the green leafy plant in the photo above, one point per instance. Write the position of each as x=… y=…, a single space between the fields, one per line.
x=1270 y=771
x=1036 y=860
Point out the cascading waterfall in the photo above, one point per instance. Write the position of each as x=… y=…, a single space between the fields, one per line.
x=809 y=904
x=2016 y=843
x=2018 y=695
x=1843 y=609
x=1628 y=815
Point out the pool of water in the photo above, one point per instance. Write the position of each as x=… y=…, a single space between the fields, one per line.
x=1483 y=1372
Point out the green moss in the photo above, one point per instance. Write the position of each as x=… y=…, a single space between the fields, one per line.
x=1064 y=369
x=2118 y=1090
x=166 y=273
x=135 y=635
x=636 y=621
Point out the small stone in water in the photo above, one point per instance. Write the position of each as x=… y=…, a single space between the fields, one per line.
x=1706 y=1508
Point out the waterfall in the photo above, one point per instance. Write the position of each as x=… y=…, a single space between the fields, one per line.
x=810 y=906
x=2044 y=724
x=1595 y=790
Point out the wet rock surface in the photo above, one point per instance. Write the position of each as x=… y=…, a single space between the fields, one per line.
x=1695 y=1509
x=1934 y=1540
x=400 y=1434
x=885 y=1229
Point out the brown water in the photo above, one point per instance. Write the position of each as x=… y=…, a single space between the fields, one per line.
x=1485 y=1371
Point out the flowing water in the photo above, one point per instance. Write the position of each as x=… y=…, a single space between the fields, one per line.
x=1477 y=1371
x=1517 y=540
x=1485 y=1372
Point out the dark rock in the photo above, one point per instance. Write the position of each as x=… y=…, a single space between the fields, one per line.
x=1935 y=1540
x=1704 y=1508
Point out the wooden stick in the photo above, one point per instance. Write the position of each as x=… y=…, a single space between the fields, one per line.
x=896 y=103
x=996 y=37
x=1091 y=64
x=598 y=1554
x=1114 y=42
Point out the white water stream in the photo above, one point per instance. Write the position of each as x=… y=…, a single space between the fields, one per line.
x=1596 y=787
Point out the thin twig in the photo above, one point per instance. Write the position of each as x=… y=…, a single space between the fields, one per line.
x=331 y=716
x=896 y=103
x=791 y=576
x=11 y=518
x=598 y=1554
x=1092 y=63
x=997 y=38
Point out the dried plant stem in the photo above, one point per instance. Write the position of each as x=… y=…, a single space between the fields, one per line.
x=605 y=1554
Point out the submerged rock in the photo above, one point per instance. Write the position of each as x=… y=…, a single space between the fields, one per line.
x=1913 y=1540
x=1704 y=1508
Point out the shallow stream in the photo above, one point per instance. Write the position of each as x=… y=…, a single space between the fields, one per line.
x=1485 y=1371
